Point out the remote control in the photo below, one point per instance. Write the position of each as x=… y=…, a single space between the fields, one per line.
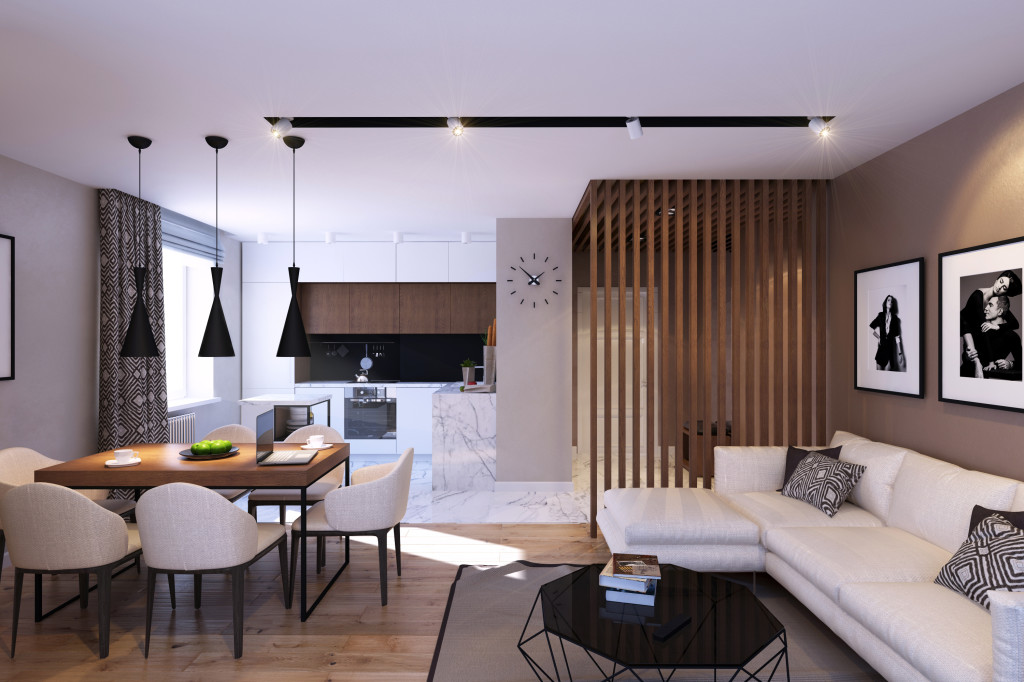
x=672 y=627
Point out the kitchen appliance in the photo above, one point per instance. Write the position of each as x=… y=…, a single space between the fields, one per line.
x=370 y=415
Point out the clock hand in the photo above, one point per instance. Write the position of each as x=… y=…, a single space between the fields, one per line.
x=535 y=280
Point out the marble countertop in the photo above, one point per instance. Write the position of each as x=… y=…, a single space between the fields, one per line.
x=336 y=384
x=453 y=389
x=285 y=399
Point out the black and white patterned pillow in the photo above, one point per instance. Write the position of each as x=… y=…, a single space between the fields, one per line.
x=823 y=482
x=992 y=558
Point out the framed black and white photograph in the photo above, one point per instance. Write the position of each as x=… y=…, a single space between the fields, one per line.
x=888 y=344
x=979 y=325
x=6 y=307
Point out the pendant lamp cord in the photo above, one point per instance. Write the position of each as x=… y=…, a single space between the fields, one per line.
x=293 y=208
x=216 y=207
x=138 y=200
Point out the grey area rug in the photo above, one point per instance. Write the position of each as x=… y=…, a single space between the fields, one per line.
x=488 y=607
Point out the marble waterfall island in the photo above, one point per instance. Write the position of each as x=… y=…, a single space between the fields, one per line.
x=464 y=455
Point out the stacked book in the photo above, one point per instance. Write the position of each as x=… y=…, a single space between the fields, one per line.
x=631 y=579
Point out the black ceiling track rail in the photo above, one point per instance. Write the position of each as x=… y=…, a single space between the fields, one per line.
x=548 y=121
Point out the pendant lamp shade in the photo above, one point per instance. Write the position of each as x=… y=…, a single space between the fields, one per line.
x=216 y=339
x=294 y=343
x=138 y=340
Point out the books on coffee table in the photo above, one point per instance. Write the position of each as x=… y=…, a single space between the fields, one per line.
x=635 y=566
x=630 y=597
x=608 y=579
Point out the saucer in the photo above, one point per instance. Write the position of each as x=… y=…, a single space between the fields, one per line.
x=306 y=446
x=113 y=463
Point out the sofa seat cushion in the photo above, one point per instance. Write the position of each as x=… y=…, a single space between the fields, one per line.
x=832 y=557
x=773 y=510
x=943 y=634
x=684 y=516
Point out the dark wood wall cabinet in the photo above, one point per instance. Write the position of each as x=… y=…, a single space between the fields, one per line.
x=397 y=308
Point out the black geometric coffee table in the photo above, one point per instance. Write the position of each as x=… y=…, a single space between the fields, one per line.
x=581 y=635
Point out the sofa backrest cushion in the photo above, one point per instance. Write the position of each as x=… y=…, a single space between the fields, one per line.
x=934 y=499
x=1018 y=499
x=844 y=437
x=882 y=461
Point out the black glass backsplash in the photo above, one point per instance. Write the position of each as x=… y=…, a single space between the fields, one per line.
x=405 y=357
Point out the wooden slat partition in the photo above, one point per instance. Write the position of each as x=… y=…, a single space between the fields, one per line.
x=730 y=346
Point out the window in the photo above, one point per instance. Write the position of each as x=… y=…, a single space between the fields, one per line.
x=188 y=294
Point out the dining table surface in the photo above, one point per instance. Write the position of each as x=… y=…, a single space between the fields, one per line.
x=163 y=463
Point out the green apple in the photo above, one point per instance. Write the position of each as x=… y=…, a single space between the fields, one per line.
x=201 y=448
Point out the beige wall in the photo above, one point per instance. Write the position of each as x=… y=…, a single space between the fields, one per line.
x=51 y=404
x=958 y=185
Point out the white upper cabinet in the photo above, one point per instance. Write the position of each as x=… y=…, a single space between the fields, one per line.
x=264 y=306
x=422 y=261
x=320 y=262
x=266 y=262
x=368 y=261
x=473 y=262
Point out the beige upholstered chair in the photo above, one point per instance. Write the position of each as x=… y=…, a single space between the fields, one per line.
x=18 y=466
x=190 y=529
x=53 y=529
x=236 y=433
x=280 y=498
x=373 y=505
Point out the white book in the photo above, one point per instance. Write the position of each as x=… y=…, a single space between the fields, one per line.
x=606 y=579
x=625 y=597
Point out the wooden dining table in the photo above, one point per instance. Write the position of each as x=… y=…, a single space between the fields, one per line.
x=163 y=463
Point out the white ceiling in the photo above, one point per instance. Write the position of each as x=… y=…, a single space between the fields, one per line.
x=77 y=77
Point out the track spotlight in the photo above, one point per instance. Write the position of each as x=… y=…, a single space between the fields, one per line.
x=467 y=238
x=397 y=237
x=328 y=237
x=634 y=128
x=261 y=239
x=819 y=127
x=281 y=127
x=455 y=125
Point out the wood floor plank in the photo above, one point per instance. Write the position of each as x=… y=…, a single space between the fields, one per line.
x=350 y=636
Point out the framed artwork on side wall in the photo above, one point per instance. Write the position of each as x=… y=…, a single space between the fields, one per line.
x=980 y=325
x=888 y=345
x=6 y=307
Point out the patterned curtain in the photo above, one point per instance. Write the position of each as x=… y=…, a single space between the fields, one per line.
x=133 y=391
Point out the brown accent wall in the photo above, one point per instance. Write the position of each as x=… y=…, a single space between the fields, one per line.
x=958 y=185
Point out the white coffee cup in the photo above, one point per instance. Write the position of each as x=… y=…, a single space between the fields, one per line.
x=315 y=440
x=124 y=456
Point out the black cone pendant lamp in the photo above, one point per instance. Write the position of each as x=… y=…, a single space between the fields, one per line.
x=139 y=341
x=217 y=338
x=293 y=339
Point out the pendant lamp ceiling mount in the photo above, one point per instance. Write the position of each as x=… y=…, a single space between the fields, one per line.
x=217 y=142
x=139 y=142
x=293 y=142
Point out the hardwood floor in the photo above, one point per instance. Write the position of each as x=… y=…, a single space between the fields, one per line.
x=349 y=637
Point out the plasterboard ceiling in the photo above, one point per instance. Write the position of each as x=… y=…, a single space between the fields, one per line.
x=76 y=78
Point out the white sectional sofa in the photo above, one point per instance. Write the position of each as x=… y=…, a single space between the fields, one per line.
x=867 y=573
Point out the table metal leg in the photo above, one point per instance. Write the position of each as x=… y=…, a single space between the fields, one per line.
x=302 y=549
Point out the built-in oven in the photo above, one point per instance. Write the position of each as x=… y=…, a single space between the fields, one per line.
x=370 y=413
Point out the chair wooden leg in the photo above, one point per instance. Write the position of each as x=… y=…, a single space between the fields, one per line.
x=150 y=590
x=19 y=580
x=296 y=541
x=197 y=590
x=321 y=553
x=252 y=511
x=170 y=588
x=83 y=590
x=280 y=513
x=38 y=593
x=398 y=547
x=282 y=551
x=103 y=579
x=382 y=554
x=237 y=605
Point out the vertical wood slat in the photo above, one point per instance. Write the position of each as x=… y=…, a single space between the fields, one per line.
x=694 y=340
x=721 y=287
x=764 y=332
x=663 y=328
x=707 y=376
x=650 y=375
x=679 y=321
x=820 y=245
x=622 y=336
x=593 y=369
x=636 y=282
x=736 y=309
x=806 y=313
x=778 y=407
x=606 y=232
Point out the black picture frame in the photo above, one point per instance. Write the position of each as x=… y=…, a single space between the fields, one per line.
x=968 y=281
x=889 y=350
x=6 y=307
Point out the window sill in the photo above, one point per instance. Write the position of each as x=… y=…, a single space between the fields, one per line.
x=189 y=403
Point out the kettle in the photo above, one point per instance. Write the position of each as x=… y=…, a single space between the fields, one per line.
x=361 y=376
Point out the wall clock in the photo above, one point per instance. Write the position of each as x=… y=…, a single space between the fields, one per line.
x=533 y=281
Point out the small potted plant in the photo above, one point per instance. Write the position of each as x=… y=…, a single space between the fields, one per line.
x=468 y=372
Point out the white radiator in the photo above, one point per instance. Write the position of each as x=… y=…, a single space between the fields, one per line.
x=182 y=428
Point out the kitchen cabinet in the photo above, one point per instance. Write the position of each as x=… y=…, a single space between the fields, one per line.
x=368 y=261
x=472 y=307
x=319 y=262
x=372 y=309
x=325 y=307
x=424 y=308
x=266 y=262
x=264 y=305
x=422 y=261
x=415 y=418
x=475 y=262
